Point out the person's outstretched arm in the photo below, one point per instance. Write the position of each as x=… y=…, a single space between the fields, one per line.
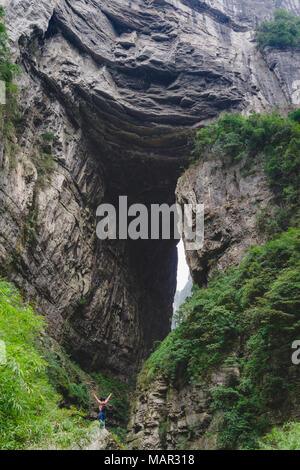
x=108 y=398
x=97 y=398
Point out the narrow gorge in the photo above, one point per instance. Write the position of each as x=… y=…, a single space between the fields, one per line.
x=111 y=95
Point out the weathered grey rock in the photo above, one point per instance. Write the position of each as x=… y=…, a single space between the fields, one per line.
x=170 y=416
x=232 y=196
x=101 y=439
x=165 y=416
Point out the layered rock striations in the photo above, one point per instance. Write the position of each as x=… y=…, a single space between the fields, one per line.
x=233 y=195
x=166 y=413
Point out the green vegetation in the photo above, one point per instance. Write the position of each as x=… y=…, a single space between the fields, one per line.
x=45 y=398
x=43 y=157
x=248 y=316
x=30 y=407
x=64 y=375
x=12 y=123
x=287 y=438
x=265 y=139
x=295 y=116
x=119 y=406
x=81 y=302
x=282 y=33
x=163 y=429
x=120 y=435
x=10 y=118
x=48 y=137
x=272 y=220
x=8 y=72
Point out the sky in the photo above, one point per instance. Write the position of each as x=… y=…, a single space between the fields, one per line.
x=182 y=270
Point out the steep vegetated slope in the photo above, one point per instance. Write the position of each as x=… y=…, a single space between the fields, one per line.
x=282 y=33
x=225 y=375
x=46 y=400
x=30 y=415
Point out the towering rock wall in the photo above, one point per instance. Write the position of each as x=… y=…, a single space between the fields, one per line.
x=165 y=413
x=119 y=84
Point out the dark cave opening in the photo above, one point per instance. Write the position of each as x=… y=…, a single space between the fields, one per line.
x=142 y=273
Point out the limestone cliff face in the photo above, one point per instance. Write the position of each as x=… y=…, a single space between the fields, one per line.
x=232 y=196
x=119 y=83
x=168 y=418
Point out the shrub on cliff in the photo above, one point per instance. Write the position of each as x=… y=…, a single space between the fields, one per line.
x=285 y=438
x=249 y=318
x=30 y=413
x=295 y=116
x=282 y=33
x=8 y=72
x=260 y=138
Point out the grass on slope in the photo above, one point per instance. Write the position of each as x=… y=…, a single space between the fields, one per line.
x=30 y=412
x=247 y=317
x=285 y=438
x=266 y=139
